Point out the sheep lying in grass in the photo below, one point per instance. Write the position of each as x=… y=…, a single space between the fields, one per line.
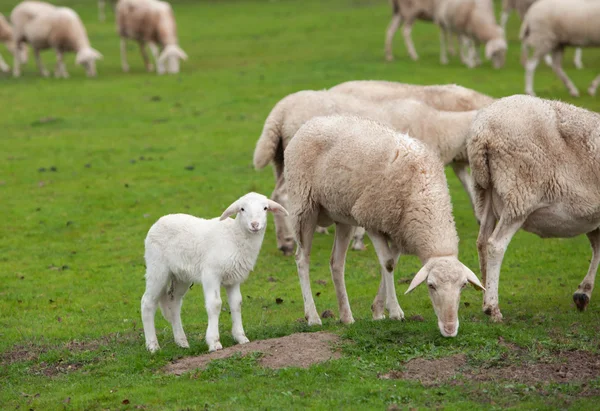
x=356 y=172
x=445 y=132
x=535 y=164
x=182 y=249
x=475 y=22
x=45 y=26
x=551 y=25
x=150 y=22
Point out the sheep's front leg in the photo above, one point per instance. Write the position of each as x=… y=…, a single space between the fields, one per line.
x=388 y=258
x=557 y=67
x=234 y=296
x=160 y=67
x=124 y=64
x=584 y=292
x=406 y=33
x=577 y=58
x=147 y=63
x=38 y=60
x=389 y=36
x=359 y=236
x=496 y=247
x=343 y=236
x=61 y=68
x=212 y=300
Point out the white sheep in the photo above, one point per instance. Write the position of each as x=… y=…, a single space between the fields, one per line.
x=475 y=22
x=522 y=6
x=535 y=165
x=443 y=131
x=44 y=26
x=152 y=23
x=182 y=249
x=551 y=25
x=356 y=172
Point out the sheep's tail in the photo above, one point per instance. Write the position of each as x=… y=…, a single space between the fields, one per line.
x=525 y=30
x=270 y=140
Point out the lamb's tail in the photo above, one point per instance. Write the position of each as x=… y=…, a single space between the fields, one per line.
x=270 y=139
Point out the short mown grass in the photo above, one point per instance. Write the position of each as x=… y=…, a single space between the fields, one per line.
x=87 y=165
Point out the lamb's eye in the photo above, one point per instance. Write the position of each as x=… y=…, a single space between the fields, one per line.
x=265 y=208
x=431 y=287
x=242 y=209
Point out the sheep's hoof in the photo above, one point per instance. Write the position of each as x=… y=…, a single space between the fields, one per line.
x=581 y=301
x=530 y=92
x=398 y=316
x=493 y=312
x=215 y=347
x=242 y=339
x=592 y=91
x=389 y=57
x=313 y=320
x=152 y=347
x=149 y=68
x=182 y=343
x=574 y=93
x=347 y=319
x=125 y=69
x=287 y=250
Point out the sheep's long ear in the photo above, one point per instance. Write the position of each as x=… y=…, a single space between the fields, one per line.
x=472 y=278
x=231 y=210
x=277 y=208
x=419 y=278
x=97 y=54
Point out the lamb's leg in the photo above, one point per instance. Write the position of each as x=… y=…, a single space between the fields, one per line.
x=462 y=172
x=304 y=235
x=343 y=236
x=156 y=284
x=577 y=58
x=486 y=228
x=594 y=86
x=234 y=296
x=147 y=63
x=496 y=247
x=584 y=292
x=170 y=305
x=38 y=60
x=283 y=232
x=389 y=36
x=212 y=300
x=124 y=64
x=443 y=41
x=530 y=67
x=358 y=243
x=557 y=67
x=406 y=31
x=388 y=258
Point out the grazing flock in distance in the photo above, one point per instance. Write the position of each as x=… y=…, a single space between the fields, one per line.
x=369 y=157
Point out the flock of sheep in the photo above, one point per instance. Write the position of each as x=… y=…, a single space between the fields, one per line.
x=548 y=27
x=45 y=26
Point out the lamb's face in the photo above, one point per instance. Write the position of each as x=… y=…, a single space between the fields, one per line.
x=252 y=210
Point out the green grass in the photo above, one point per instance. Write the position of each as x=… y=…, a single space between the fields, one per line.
x=71 y=240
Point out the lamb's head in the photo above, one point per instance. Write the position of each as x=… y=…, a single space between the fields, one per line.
x=168 y=62
x=87 y=57
x=251 y=211
x=446 y=277
x=495 y=50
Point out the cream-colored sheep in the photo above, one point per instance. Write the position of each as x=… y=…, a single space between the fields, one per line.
x=475 y=21
x=44 y=26
x=447 y=97
x=150 y=22
x=444 y=131
x=522 y=6
x=535 y=164
x=551 y=25
x=356 y=172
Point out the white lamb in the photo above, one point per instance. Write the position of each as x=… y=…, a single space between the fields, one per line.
x=475 y=22
x=535 y=163
x=150 y=22
x=357 y=172
x=45 y=26
x=182 y=249
x=551 y=25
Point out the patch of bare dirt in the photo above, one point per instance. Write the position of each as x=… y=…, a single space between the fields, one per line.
x=296 y=350
x=429 y=372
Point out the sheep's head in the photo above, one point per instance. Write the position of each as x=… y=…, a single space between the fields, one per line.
x=446 y=277
x=495 y=50
x=251 y=211
x=168 y=62
x=87 y=57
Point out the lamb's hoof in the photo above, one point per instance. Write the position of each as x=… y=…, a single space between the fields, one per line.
x=494 y=313
x=581 y=301
x=242 y=340
x=313 y=320
x=287 y=250
x=152 y=347
x=216 y=346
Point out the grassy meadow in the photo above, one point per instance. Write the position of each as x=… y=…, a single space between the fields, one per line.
x=88 y=165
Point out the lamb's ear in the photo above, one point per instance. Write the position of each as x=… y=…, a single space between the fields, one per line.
x=277 y=208
x=472 y=278
x=231 y=210
x=419 y=278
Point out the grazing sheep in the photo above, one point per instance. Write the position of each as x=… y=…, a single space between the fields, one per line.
x=522 y=6
x=45 y=26
x=535 y=164
x=357 y=172
x=551 y=25
x=475 y=22
x=444 y=131
x=182 y=249
x=150 y=22
x=447 y=97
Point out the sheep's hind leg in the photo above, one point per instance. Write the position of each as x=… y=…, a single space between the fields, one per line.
x=389 y=36
x=305 y=228
x=283 y=233
x=577 y=58
x=212 y=300
x=557 y=67
x=156 y=284
x=488 y=222
x=343 y=236
x=594 y=86
x=170 y=305
x=406 y=33
x=388 y=258
x=584 y=292
x=234 y=296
